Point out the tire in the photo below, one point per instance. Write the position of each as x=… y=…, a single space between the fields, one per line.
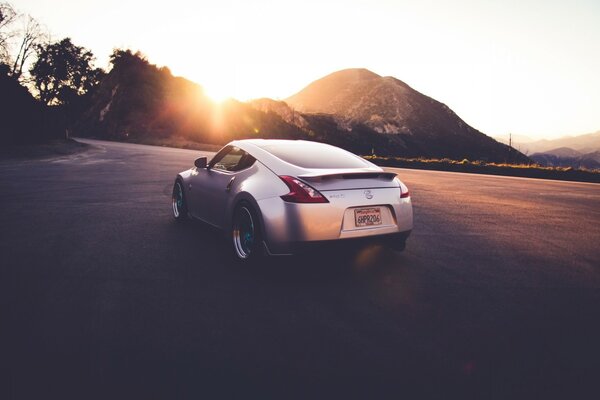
x=180 y=210
x=246 y=234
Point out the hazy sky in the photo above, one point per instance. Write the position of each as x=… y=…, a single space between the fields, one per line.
x=526 y=67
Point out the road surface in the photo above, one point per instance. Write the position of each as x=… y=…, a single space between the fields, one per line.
x=103 y=295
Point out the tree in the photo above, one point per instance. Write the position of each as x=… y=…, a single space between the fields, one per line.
x=31 y=35
x=63 y=72
x=17 y=44
x=127 y=58
x=7 y=16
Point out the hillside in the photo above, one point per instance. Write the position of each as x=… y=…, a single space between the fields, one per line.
x=390 y=107
x=328 y=128
x=138 y=101
x=142 y=103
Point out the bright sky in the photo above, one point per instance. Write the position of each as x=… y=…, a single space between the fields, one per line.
x=527 y=67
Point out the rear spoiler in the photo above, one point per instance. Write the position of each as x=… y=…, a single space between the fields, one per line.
x=317 y=177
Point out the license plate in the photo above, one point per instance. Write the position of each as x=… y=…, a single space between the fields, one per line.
x=367 y=216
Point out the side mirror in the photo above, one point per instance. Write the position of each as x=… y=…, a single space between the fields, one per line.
x=201 y=162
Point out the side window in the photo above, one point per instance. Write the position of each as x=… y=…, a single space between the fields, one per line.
x=231 y=158
x=246 y=162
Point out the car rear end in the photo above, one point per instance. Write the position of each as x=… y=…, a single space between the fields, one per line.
x=338 y=207
x=325 y=194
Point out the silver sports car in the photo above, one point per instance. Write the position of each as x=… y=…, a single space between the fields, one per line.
x=278 y=197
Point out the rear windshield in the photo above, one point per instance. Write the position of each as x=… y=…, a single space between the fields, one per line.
x=314 y=155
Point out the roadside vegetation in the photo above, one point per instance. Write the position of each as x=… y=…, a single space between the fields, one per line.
x=45 y=85
x=445 y=164
x=482 y=167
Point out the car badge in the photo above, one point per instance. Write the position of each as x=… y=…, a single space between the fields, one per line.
x=368 y=194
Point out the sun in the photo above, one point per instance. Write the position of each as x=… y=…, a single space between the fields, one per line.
x=219 y=87
x=217 y=94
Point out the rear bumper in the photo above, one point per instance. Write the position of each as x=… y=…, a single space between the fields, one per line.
x=397 y=241
x=289 y=226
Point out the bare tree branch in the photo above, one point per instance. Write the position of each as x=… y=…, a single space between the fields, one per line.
x=8 y=15
x=32 y=35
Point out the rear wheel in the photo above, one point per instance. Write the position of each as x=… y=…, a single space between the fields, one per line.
x=246 y=236
x=180 y=211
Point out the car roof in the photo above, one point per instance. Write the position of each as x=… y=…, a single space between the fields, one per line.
x=259 y=149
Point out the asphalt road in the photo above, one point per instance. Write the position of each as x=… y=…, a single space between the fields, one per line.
x=103 y=295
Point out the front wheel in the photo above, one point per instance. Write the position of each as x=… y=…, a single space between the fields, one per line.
x=246 y=235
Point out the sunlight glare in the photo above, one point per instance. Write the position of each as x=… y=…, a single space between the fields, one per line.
x=219 y=88
x=217 y=94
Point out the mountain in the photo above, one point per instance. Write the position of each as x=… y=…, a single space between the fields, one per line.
x=564 y=152
x=328 y=128
x=140 y=102
x=388 y=106
x=567 y=157
x=587 y=143
x=582 y=151
x=281 y=108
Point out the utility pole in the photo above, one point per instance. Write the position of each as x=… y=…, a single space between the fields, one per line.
x=509 y=147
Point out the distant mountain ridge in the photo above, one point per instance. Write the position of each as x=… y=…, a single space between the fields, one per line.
x=564 y=152
x=586 y=143
x=389 y=106
x=567 y=157
x=580 y=151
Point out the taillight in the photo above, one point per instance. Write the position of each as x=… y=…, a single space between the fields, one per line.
x=300 y=192
x=404 y=193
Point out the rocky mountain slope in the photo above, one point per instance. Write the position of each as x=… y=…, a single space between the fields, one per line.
x=388 y=106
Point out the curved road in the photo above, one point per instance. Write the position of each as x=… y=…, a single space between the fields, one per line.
x=103 y=295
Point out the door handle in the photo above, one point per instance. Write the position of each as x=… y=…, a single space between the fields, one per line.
x=228 y=188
